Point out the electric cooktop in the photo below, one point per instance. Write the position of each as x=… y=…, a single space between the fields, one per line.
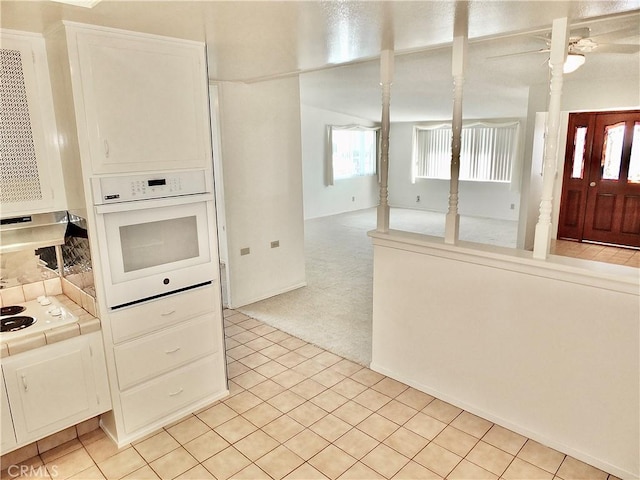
x=33 y=316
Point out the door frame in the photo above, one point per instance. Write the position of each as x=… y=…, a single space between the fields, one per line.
x=218 y=179
x=562 y=155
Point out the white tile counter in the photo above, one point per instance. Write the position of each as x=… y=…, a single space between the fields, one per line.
x=71 y=297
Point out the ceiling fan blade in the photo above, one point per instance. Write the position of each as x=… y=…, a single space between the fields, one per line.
x=545 y=38
x=617 y=34
x=518 y=54
x=616 y=48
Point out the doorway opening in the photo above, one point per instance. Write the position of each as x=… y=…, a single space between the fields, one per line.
x=600 y=200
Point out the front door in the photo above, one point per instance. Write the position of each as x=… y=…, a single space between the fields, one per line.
x=601 y=183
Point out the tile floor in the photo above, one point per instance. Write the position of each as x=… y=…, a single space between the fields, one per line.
x=598 y=253
x=300 y=412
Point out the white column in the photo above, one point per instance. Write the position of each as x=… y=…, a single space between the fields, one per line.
x=452 y=224
x=386 y=78
x=559 y=45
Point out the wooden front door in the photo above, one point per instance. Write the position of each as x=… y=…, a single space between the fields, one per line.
x=601 y=182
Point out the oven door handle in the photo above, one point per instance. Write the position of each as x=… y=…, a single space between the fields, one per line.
x=153 y=203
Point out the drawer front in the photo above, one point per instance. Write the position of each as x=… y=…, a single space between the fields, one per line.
x=149 y=356
x=161 y=397
x=138 y=320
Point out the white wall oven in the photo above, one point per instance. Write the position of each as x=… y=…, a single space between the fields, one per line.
x=154 y=234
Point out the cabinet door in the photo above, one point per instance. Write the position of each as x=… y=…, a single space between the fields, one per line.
x=53 y=387
x=31 y=174
x=8 y=434
x=145 y=101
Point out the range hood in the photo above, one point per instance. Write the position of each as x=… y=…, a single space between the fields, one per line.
x=29 y=232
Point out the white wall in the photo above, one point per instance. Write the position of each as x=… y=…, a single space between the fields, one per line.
x=344 y=195
x=549 y=350
x=480 y=199
x=261 y=157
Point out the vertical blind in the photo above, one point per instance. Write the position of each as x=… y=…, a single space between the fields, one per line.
x=487 y=151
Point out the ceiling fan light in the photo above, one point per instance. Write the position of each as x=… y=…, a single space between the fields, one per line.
x=574 y=61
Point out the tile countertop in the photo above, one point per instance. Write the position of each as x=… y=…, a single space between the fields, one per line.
x=75 y=300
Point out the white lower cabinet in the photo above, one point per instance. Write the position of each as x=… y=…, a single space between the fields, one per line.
x=8 y=438
x=56 y=386
x=166 y=359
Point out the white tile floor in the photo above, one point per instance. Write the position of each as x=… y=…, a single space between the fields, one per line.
x=300 y=412
x=599 y=253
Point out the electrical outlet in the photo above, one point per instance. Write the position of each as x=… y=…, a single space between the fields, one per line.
x=245 y=251
x=417 y=198
x=353 y=199
x=275 y=244
x=513 y=206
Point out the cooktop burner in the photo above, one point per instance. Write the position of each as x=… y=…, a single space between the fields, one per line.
x=13 y=324
x=33 y=317
x=12 y=310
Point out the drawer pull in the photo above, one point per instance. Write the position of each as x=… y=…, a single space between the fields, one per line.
x=168 y=352
x=24 y=383
x=177 y=392
x=166 y=314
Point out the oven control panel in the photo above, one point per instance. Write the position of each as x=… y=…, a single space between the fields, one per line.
x=127 y=188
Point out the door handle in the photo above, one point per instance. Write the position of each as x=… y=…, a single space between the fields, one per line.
x=592 y=184
x=177 y=392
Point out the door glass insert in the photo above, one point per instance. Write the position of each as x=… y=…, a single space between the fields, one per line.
x=577 y=171
x=146 y=245
x=634 y=163
x=612 y=151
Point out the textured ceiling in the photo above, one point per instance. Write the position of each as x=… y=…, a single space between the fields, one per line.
x=254 y=41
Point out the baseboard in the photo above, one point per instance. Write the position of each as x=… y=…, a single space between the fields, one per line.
x=236 y=304
x=540 y=438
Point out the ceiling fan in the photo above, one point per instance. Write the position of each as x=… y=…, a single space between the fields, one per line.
x=582 y=43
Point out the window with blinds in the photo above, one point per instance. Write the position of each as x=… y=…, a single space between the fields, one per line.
x=487 y=153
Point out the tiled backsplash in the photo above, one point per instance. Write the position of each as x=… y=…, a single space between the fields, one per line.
x=30 y=291
x=52 y=286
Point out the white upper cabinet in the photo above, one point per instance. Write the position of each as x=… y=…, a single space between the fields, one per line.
x=30 y=174
x=141 y=100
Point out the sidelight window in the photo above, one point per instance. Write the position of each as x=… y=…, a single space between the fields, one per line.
x=634 y=163
x=612 y=151
x=579 y=142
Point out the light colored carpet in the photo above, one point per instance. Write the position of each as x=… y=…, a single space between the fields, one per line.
x=334 y=310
